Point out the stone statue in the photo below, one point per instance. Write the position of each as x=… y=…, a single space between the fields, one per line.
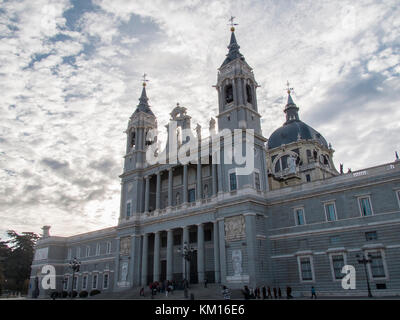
x=124 y=271
x=237 y=262
x=198 y=131
x=212 y=125
x=291 y=162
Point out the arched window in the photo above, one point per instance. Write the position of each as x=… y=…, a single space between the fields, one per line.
x=133 y=139
x=249 y=94
x=178 y=199
x=228 y=93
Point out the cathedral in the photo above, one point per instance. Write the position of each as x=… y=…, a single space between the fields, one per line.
x=294 y=221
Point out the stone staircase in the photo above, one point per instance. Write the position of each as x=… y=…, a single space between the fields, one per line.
x=212 y=292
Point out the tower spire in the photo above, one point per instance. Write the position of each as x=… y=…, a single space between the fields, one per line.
x=233 y=47
x=291 y=109
x=143 y=105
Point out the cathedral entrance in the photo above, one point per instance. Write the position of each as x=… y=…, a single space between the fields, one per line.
x=193 y=268
x=163 y=273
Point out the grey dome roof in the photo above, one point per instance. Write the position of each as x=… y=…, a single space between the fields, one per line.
x=291 y=131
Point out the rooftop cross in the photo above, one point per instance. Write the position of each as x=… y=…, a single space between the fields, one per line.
x=144 y=79
x=289 y=90
x=232 y=24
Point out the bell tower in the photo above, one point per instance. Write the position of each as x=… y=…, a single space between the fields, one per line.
x=236 y=88
x=141 y=121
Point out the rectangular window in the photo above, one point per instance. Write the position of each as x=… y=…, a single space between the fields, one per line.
x=78 y=252
x=105 y=281
x=306 y=269
x=308 y=178
x=108 y=247
x=98 y=249
x=87 y=251
x=365 y=206
x=128 y=209
x=75 y=283
x=299 y=215
x=257 y=181
x=69 y=257
x=335 y=239
x=371 y=236
x=177 y=239
x=377 y=267
x=398 y=196
x=192 y=237
x=84 y=282
x=94 y=282
x=66 y=279
x=207 y=235
x=330 y=211
x=232 y=181
x=164 y=242
x=192 y=195
x=337 y=265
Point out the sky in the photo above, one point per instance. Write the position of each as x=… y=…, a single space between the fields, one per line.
x=70 y=77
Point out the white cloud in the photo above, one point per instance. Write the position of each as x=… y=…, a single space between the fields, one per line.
x=67 y=94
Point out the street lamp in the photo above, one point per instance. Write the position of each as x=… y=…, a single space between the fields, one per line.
x=75 y=266
x=187 y=254
x=365 y=260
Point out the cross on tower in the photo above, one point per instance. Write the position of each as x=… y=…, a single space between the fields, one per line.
x=288 y=89
x=144 y=79
x=232 y=24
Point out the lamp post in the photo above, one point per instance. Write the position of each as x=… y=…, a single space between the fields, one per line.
x=187 y=254
x=75 y=266
x=365 y=260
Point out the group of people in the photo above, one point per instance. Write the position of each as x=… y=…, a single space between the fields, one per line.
x=166 y=287
x=265 y=293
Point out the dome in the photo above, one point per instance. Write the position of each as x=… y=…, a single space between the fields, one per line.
x=292 y=131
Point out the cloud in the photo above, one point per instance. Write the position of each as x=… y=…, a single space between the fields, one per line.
x=70 y=79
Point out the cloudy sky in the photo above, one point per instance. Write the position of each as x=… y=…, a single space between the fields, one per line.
x=70 y=75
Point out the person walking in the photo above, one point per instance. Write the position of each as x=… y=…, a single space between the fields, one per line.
x=289 y=292
x=275 y=296
x=264 y=292
x=313 y=294
x=279 y=293
x=246 y=293
x=205 y=282
x=269 y=293
x=226 y=293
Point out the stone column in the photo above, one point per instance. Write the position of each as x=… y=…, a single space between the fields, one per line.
x=170 y=254
x=116 y=274
x=147 y=194
x=214 y=178
x=222 y=251
x=235 y=93
x=185 y=238
x=199 y=180
x=250 y=219
x=135 y=259
x=170 y=185
x=158 y=191
x=219 y=169
x=216 y=252
x=185 y=183
x=144 y=259
x=200 y=252
x=132 y=260
x=156 y=266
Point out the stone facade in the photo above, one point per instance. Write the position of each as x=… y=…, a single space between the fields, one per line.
x=291 y=222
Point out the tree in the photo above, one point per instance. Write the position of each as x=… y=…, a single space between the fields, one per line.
x=4 y=254
x=18 y=258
